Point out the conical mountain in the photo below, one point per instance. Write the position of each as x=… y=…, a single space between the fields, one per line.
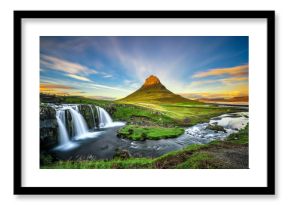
x=153 y=91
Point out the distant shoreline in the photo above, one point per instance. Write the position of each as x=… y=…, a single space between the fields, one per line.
x=232 y=105
x=243 y=104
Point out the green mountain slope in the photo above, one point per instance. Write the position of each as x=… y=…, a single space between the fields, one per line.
x=153 y=91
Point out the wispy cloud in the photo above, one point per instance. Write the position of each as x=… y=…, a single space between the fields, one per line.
x=132 y=84
x=236 y=71
x=102 y=98
x=79 y=77
x=141 y=66
x=109 y=87
x=64 y=65
x=107 y=76
x=225 y=81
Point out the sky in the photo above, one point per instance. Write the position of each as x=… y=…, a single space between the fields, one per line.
x=105 y=67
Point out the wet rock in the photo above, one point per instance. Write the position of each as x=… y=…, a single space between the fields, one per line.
x=111 y=109
x=122 y=154
x=48 y=127
x=86 y=112
x=216 y=128
x=69 y=124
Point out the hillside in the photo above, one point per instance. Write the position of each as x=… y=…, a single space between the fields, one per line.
x=153 y=91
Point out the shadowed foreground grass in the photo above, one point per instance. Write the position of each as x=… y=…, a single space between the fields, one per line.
x=229 y=154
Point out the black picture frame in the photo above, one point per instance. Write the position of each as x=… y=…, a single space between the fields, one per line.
x=269 y=189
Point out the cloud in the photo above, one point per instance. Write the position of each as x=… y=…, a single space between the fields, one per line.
x=64 y=65
x=234 y=80
x=103 y=98
x=108 y=87
x=140 y=66
x=236 y=71
x=107 y=76
x=55 y=89
x=79 y=77
x=54 y=86
x=225 y=81
x=204 y=82
x=131 y=83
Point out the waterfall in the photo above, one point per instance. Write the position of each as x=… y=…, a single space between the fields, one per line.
x=63 y=136
x=79 y=123
x=105 y=119
x=93 y=115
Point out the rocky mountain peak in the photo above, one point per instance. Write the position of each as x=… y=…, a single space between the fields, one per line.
x=151 y=81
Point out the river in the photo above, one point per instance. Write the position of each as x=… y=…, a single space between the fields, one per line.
x=103 y=144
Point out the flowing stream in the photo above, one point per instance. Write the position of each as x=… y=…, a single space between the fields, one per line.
x=102 y=143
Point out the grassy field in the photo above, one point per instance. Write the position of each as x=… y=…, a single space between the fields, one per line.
x=186 y=114
x=229 y=154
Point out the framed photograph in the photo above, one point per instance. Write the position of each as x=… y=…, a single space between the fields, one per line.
x=144 y=102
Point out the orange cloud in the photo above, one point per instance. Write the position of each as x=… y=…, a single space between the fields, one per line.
x=234 y=80
x=226 y=91
x=226 y=81
x=55 y=89
x=45 y=86
x=236 y=71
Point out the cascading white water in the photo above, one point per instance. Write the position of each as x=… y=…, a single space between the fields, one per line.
x=93 y=115
x=63 y=136
x=79 y=123
x=105 y=119
x=64 y=142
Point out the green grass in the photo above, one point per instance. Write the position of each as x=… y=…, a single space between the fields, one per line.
x=134 y=132
x=198 y=161
x=242 y=137
x=153 y=94
x=132 y=163
x=83 y=100
x=134 y=114
x=186 y=114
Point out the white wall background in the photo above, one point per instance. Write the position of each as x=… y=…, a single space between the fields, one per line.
x=282 y=98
